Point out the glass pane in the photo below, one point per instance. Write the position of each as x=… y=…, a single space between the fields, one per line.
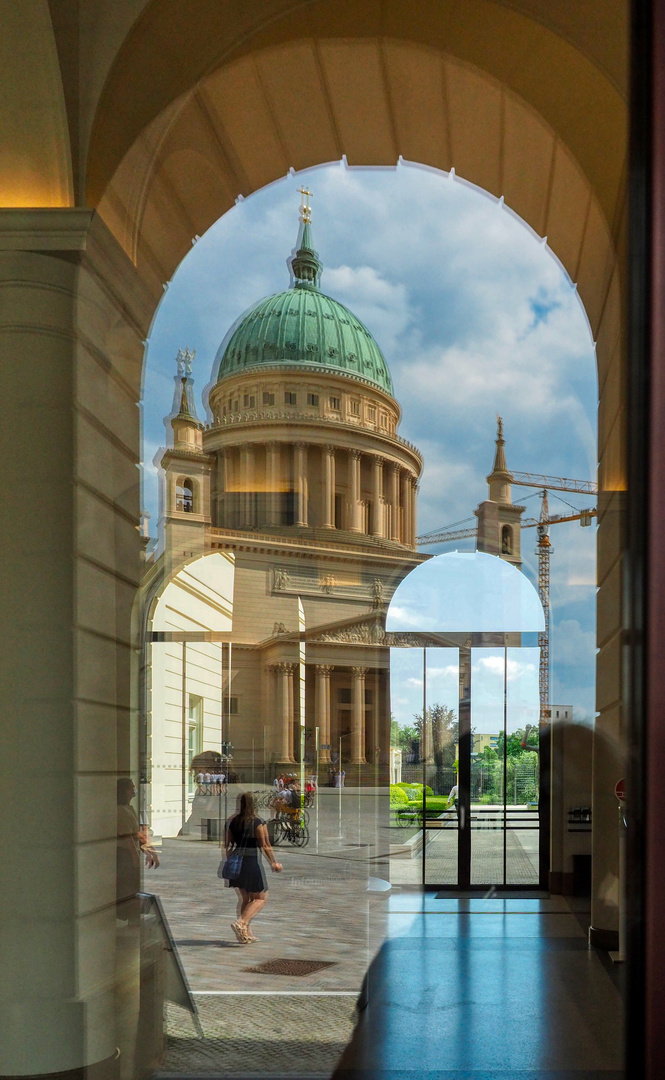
x=442 y=755
x=487 y=773
x=523 y=769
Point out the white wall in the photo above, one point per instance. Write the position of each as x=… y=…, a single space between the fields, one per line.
x=198 y=599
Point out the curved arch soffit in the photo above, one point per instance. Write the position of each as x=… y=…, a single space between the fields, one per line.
x=470 y=592
x=373 y=101
x=198 y=597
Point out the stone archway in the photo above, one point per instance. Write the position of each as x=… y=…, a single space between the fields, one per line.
x=296 y=94
x=525 y=101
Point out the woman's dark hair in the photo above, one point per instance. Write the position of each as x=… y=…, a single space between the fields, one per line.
x=246 y=806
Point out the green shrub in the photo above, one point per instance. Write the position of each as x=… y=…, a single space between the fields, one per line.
x=398 y=795
x=434 y=804
x=415 y=786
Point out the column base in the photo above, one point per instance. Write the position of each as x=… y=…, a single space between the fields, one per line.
x=109 y=1069
x=604 y=939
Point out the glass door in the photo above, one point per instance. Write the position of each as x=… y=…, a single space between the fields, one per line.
x=465 y=812
x=504 y=767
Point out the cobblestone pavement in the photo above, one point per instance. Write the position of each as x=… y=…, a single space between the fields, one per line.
x=327 y=906
x=259 y=1035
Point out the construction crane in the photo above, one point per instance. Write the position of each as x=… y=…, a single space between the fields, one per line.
x=543 y=551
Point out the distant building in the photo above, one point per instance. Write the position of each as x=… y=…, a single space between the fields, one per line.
x=286 y=523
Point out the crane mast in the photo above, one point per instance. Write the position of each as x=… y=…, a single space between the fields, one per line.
x=543 y=551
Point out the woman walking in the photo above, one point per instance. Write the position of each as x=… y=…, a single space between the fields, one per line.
x=246 y=834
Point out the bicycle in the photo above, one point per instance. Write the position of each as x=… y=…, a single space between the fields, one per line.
x=292 y=828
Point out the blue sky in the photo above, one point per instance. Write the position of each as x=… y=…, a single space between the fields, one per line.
x=475 y=317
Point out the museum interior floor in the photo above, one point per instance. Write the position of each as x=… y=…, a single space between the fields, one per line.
x=487 y=989
x=501 y=987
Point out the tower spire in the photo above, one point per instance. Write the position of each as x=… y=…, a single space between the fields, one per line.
x=306 y=264
x=184 y=407
x=499 y=478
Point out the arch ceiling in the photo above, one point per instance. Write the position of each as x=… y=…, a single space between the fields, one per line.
x=524 y=102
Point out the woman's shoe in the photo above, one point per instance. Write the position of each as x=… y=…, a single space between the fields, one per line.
x=240 y=931
x=250 y=936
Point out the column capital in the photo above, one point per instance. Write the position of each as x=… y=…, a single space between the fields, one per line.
x=359 y=672
x=329 y=449
x=282 y=668
x=355 y=454
x=301 y=445
x=324 y=669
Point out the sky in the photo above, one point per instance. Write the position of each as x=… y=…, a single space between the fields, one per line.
x=475 y=317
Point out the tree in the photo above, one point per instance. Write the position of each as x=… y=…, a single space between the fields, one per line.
x=514 y=748
x=402 y=737
x=442 y=736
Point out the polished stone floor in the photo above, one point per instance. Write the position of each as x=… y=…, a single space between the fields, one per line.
x=486 y=990
x=475 y=989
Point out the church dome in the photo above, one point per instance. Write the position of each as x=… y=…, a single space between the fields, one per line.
x=303 y=329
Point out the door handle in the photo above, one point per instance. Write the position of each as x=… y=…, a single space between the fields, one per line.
x=462 y=816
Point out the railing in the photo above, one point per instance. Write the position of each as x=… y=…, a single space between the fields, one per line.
x=252 y=416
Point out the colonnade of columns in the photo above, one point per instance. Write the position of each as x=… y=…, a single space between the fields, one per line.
x=251 y=492
x=285 y=716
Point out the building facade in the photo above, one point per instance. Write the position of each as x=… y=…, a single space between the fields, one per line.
x=302 y=484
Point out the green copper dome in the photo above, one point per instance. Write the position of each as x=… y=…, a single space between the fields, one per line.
x=302 y=328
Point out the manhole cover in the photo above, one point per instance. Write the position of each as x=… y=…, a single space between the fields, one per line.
x=290 y=967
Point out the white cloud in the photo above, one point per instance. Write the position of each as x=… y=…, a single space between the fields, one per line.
x=571 y=644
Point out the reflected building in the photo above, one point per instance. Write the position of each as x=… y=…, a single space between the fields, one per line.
x=304 y=492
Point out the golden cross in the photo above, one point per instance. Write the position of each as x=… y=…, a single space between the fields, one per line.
x=305 y=208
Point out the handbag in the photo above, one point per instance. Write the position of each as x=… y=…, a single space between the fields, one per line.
x=229 y=868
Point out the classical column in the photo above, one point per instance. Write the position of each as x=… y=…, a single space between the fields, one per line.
x=322 y=709
x=284 y=701
x=377 y=492
x=413 y=505
x=70 y=295
x=301 y=483
x=354 y=490
x=222 y=488
x=394 y=502
x=273 y=462
x=328 y=487
x=406 y=506
x=247 y=486
x=358 y=716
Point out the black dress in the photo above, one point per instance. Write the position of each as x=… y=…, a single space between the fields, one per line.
x=252 y=877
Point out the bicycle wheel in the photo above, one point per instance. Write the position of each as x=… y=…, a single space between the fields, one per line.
x=275 y=831
x=301 y=835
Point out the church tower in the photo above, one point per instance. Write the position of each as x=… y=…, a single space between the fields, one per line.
x=184 y=471
x=499 y=519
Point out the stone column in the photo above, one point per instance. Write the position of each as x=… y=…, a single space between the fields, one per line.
x=284 y=720
x=358 y=716
x=328 y=487
x=322 y=708
x=301 y=483
x=413 y=496
x=73 y=317
x=273 y=478
x=405 y=484
x=221 y=509
x=377 y=492
x=354 y=490
x=247 y=486
x=394 y=502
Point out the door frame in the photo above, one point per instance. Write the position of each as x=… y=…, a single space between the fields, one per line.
x=464 y=643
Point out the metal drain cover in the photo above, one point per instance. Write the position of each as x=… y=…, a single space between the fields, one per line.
x=290 y=967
